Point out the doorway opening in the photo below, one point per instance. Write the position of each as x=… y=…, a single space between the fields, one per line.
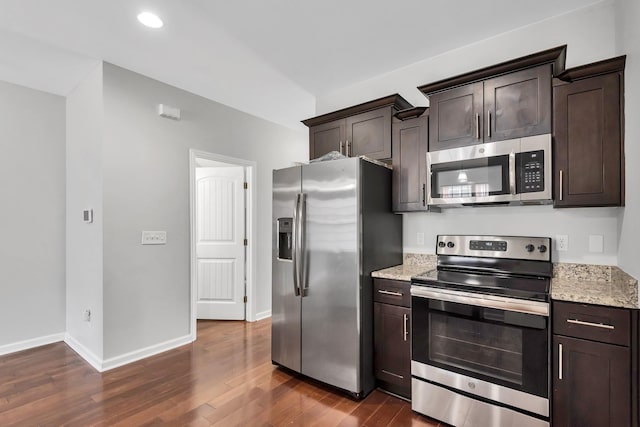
x=223 y=237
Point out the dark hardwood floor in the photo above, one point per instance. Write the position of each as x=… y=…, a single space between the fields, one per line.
x=225 y=378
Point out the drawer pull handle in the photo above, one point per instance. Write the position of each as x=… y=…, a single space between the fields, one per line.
x=405 y=330
x=559 y=361
x=595 y=325
x=395 y=294
x=392 y=374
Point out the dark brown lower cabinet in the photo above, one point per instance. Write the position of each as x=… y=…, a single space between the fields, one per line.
x=591 y=384
x=392 y=358
x=595 y=366
x=392 y=336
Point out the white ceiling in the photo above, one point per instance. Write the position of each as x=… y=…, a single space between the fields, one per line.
x=270 y=58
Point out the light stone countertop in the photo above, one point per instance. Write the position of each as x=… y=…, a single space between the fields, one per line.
x=612 y=287
x=412 y=265
x=402 y=272
x=582 y=283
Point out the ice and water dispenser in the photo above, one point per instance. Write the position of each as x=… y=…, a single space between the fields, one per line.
x=285 y=237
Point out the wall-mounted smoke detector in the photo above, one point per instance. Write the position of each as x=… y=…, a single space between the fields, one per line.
x=150 y=20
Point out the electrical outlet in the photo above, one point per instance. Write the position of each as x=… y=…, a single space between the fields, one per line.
x=86 y=315
x=420 y=238
x=562 y=243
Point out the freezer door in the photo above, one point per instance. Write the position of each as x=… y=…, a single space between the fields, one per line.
x=330 y=301
x=285 y=304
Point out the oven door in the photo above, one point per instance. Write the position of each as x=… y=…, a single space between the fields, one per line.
x=484 y=173
x=461 y=337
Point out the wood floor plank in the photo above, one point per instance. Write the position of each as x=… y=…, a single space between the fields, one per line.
x=365 y=409
x=385 y=413
x=225 y=378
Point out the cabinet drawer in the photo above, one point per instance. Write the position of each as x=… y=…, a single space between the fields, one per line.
x=394 y=292
x=592 y=322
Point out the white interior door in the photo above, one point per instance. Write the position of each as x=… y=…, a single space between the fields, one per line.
x=220 y=249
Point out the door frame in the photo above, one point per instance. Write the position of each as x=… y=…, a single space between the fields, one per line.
x=250 y=231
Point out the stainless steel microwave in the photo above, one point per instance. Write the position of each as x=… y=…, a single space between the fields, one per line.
x=516 y=171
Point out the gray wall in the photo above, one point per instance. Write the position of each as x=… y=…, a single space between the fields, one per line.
x=590 y=35
x=32 y=224
x=146 y=187
x=84 y=191
x=628 y=38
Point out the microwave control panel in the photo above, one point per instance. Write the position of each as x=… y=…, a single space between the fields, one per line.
x=530 y=171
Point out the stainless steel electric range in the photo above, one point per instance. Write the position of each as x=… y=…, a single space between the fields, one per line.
x=481 y=332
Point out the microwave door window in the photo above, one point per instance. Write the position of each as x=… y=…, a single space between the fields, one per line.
x=471 y=178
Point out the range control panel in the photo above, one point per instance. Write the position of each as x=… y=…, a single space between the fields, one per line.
x=515 y=247
x=488 y=245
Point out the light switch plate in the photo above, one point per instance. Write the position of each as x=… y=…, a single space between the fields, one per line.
x=154 y=237
x=420 y=238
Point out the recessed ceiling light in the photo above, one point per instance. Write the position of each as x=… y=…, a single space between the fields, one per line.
x=151 y=20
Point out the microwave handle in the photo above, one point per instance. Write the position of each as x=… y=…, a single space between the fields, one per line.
x=512 y=173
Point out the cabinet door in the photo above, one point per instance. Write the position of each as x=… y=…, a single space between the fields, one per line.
x=325 y=138
x=410 y=141
x=591 y=385
x=588 y=144
x=369 y=134
x=392 y=345
x=456 y=117
x=518 y=104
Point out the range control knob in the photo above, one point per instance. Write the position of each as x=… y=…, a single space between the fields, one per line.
x=542 y=249
x=441 y=244
x=450 y=244
x=530 y=247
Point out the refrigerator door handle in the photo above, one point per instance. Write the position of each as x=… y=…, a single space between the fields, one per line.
x=294 y=253
x=304 y=283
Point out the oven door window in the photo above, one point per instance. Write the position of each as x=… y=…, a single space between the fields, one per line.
x=483 y=348
x=471 y=178
x=498 y=346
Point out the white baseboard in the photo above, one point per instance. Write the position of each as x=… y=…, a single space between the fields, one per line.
x=133 y=356
x=84 y=352
x=31 y=343
x=263 y=315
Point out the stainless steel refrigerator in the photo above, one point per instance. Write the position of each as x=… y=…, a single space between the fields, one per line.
x=332 y=226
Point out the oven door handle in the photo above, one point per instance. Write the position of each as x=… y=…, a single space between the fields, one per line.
x=537 y=308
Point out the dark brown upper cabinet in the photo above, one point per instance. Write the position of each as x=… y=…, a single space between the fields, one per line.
x=504 y=101
x=361 y=130
x=509 y=106
x=456 y=117
x=588 y=109
x=410 y=139
x=326 y=137
x=518 y=104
